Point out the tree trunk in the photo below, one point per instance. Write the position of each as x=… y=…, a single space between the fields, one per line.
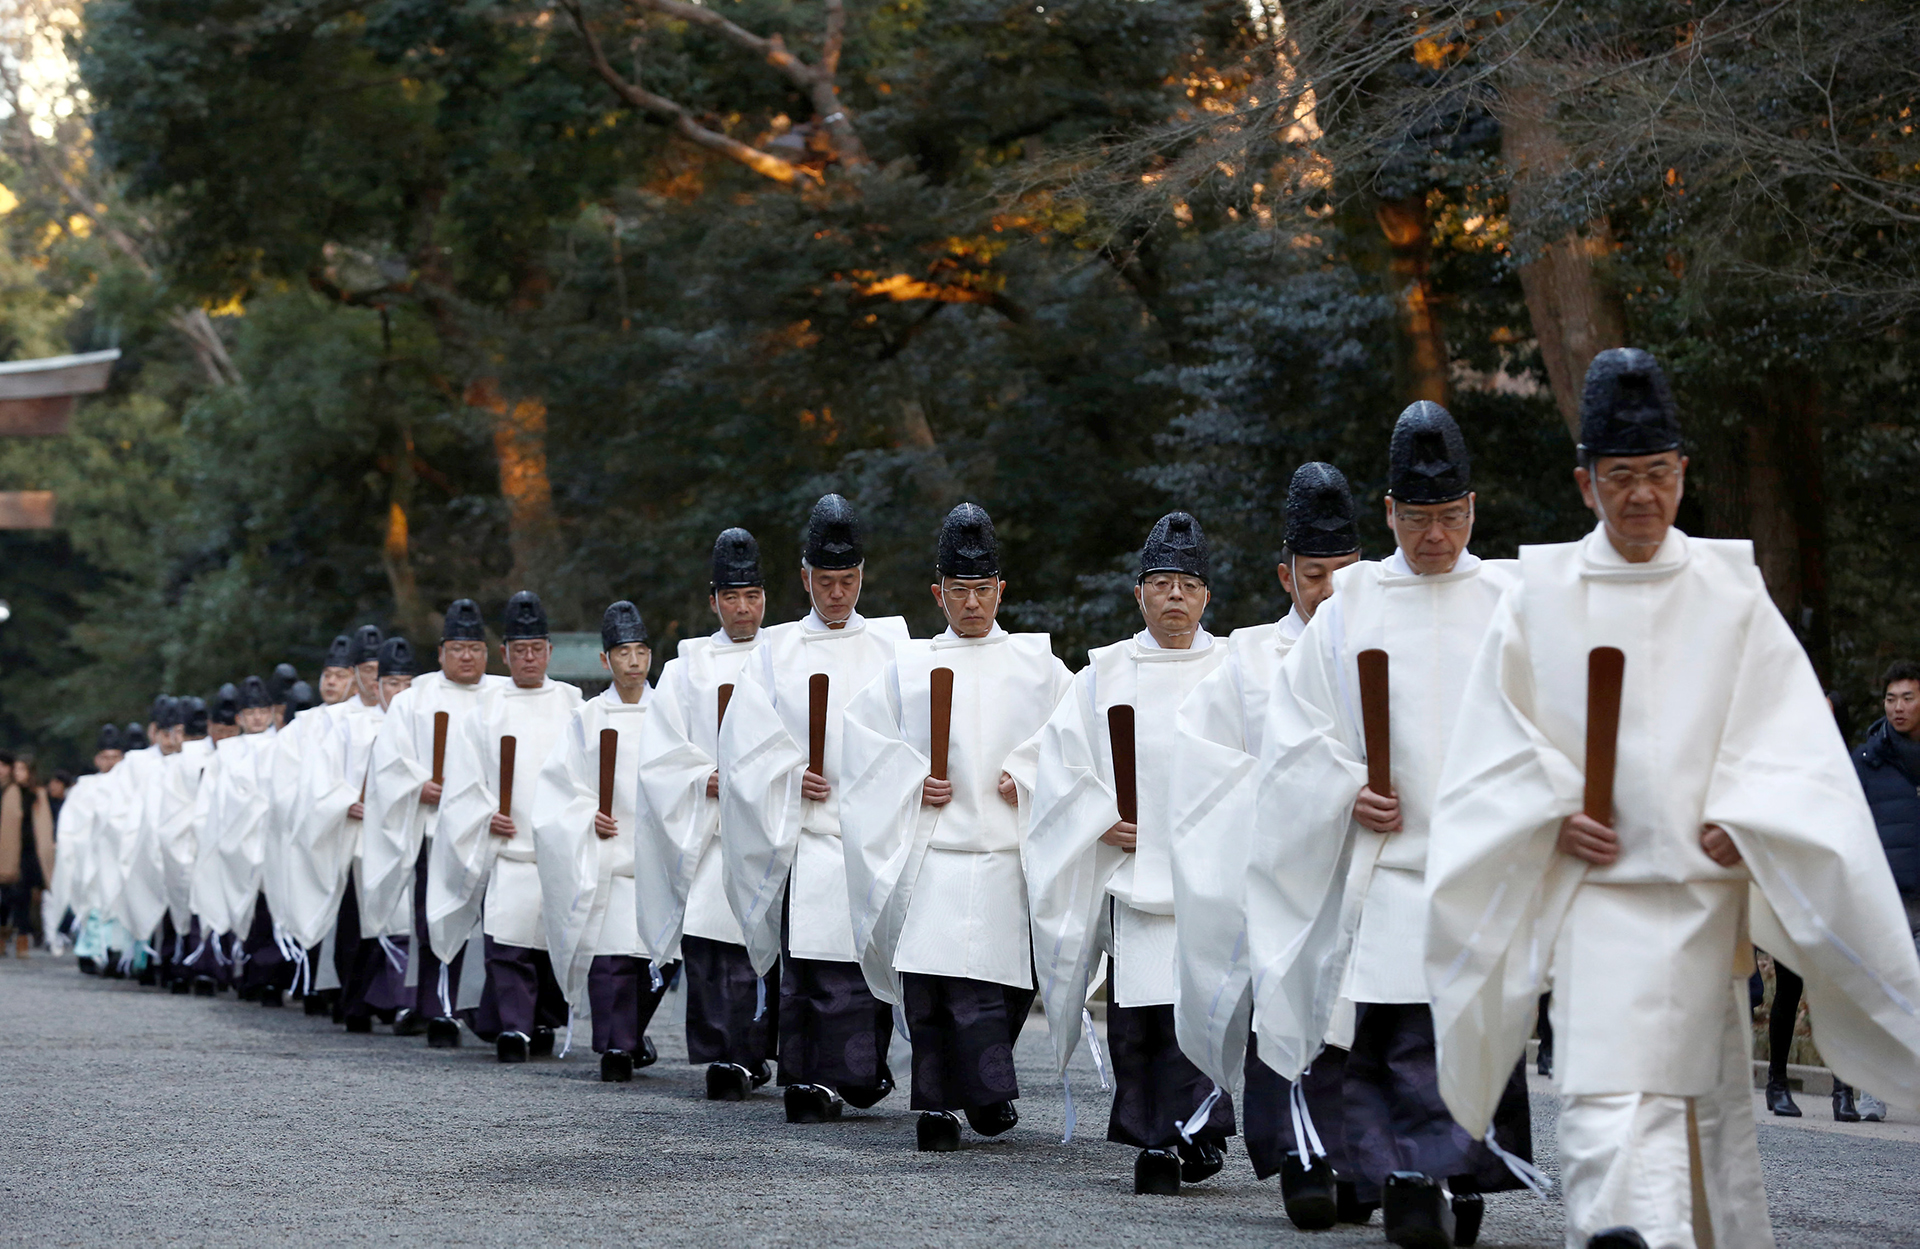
x=396 y=553
x=520 y=443
x=1423 y=354
x=1574 y=311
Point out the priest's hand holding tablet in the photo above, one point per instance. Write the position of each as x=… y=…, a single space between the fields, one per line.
x=357 y=812
x=430 y=793
x=1376 y=814
x=500 y=825
x=1123 y=834
x=814 y=787
x=1584 y=837
x=1719 y=846
x=1008 y=791
x=935 y=793
x=604 y=825
x=713 y=784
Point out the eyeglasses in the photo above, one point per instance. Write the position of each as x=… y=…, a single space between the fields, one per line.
x=1624 y=478
x=1454 y=518
x=1164 y=583
x=960 y=595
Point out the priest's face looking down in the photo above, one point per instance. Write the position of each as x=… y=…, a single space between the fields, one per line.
x=1172 y=603
x=221 y=732
x=390 y=687
x=1636 y=498
x=336 y=684
x=970 y=603
x=1902 y=704
x=366 y=682
x=463 y=662
x=104 y=760
x=255 y=719
x=741 y=609
x=835 y=592
x=1431 y=535
x=1308 y=579
x=527 y=661
x=628 y=662
x=168 y=740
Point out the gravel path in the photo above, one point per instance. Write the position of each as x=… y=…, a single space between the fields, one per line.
x=154 y=1119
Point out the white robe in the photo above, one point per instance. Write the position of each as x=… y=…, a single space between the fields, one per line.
x=74 y=833
x=205 y=897
x=471 y=870
x=940 y=891
x=677 y=885
x=397 y=822
x=282 y=776
x=586 y=881
x=773 y=842
x=143 y=873
x=1071 y=873
x=232 y=855
x=1722 y=721
x=321 y=853
x=1222 y=723
x=179 y=832
x=1334 y=912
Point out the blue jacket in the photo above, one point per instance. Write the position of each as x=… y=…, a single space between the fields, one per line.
x=1894 y=796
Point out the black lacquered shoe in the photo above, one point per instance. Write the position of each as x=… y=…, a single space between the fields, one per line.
x=938 y=1132
x=270 y=996
x=1468 y=1210
x=1200 y=1159
x=540 y=1045
x=443 y=1033
x=1308 y=1193
x=88 y=967
x=409 y=1022
x=1156 y=1173
x=1780 y=1100
x=811 y=1103
x=511 y=1047
x=1616 y=1238
x=861 y=1096
x=1415 y=1212
x=762 y=1073
x=994 y=1119
x=149 y=976
x=359 y=1024
x=1349 y=1207
x=727 y=1082
x=648 y=1054
x=616 y=1067
x=180 y=985
x=205 y=986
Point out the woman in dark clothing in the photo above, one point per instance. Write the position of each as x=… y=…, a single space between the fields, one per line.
x=26 y=846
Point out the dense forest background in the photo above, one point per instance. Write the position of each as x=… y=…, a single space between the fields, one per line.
x=430 y=298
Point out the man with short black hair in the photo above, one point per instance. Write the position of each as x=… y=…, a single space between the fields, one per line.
x=485 y=867
x=1888 y=764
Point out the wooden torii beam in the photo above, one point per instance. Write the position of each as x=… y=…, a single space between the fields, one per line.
x=36 y=401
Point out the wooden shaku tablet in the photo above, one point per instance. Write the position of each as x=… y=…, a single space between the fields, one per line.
x=817 y=724
x=1125 y=777
x=609 y=759
x=439 y=748
x=941 y=703
x=1373 y=721
x=1606 y=665
x=507 y=745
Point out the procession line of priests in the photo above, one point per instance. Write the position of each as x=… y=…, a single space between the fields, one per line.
x=1222 y=728
x=933 y=838
x=1735 y=815
x=1101 y=882
x=484 y=872
x=783 y=866
x=404 y=790
x=680 y=900
x=584 y=829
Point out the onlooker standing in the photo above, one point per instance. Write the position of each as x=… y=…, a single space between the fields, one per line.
x=1888 y=763
x=26 y=843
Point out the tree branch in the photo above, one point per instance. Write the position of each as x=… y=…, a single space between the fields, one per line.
x=676 y=115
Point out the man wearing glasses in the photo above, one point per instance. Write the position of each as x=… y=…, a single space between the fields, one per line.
x=1734 y=818
x=933 y=862
x=1336 y=896
x=1097 y=881
x=403 y=810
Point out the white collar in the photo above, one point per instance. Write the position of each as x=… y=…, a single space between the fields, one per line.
x=1201 y=640
x=1396 y=565
x=611 y=697
x=1292 y=625
x=720 y=637
x=812 y=623
x=947 y=637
